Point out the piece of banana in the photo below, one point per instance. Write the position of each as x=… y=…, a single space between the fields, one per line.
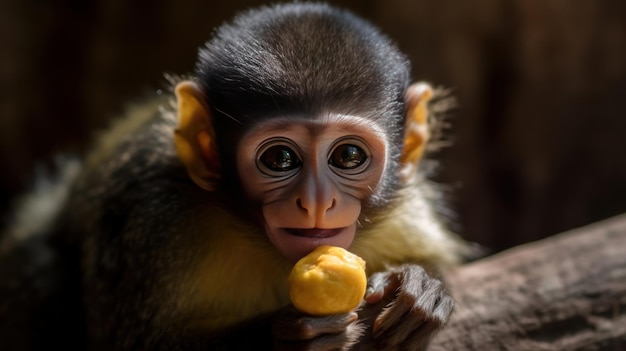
x=329 y=280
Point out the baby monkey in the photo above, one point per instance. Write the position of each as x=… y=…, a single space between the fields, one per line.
x=299 y=128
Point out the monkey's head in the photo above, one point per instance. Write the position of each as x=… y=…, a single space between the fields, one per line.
x=318 y=131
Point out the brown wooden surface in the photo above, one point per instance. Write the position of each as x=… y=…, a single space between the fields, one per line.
x=567 y=292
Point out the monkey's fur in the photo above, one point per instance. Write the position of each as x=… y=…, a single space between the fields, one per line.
x=139 y=257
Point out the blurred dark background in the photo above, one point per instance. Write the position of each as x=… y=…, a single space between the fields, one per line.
x=539 y=143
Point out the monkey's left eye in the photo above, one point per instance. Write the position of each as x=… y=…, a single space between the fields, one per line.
x=348 y=157
x=279 y=158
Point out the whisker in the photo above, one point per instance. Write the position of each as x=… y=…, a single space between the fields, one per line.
x=229 y=116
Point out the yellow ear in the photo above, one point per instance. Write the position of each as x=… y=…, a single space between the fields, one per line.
x=195 y=136
x=416 y=128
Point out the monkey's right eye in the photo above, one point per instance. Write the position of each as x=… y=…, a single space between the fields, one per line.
x=279 y=158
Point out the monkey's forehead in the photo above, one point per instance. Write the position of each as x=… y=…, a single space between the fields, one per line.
x=324 y=123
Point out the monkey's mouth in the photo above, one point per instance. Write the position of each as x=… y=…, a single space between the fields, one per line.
x=295 y=243
x=314 y=232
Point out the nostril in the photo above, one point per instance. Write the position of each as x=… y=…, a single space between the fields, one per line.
x=299 y=203
x=332 y=205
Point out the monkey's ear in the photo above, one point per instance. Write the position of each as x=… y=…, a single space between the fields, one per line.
x=195 y=136
x=416 y=129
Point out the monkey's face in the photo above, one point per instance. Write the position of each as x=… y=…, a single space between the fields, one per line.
x=310 y=178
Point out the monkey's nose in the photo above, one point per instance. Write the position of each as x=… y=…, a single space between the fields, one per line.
x=321 y=206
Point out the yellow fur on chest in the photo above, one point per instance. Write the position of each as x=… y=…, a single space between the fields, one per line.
x=240 y=278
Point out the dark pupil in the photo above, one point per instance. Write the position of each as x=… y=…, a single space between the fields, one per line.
x=280 y=158
x=347 y=156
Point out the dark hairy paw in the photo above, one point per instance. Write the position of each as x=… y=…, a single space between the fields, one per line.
x=403 y=310
x=293 y=330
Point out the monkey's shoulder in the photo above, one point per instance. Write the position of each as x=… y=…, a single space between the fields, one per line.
x=131 y=170
x=144 y=132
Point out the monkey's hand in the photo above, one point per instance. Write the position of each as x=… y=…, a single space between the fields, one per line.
x=294 y=330
x=403 y=308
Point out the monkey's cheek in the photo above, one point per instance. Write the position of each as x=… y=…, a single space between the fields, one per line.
x=294 y=245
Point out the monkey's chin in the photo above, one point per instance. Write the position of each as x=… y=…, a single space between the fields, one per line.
x=295 y=243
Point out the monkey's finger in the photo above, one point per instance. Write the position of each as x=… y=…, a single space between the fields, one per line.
x=433 y=293
x=395 y=316
x=413 y=304
x=444 y=309
x=304 y=327
x=375 y=290
x=380 y=285
x=393 y=313
x=393 y=332
x=340 y=341
x=330 y=324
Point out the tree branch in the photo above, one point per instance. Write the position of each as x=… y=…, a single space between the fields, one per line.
x=567 y=292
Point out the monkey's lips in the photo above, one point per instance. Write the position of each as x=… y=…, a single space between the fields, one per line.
x=314 y=232
x=295 y=243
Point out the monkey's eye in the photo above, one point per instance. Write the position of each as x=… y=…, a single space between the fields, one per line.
x=278 y=158
x=347 y=157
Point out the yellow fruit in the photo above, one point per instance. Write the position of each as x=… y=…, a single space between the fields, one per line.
x=329 y=280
